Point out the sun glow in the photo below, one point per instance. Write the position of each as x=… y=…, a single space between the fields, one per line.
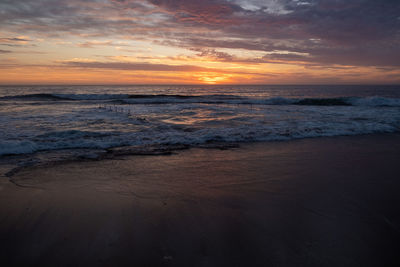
x=213 y=78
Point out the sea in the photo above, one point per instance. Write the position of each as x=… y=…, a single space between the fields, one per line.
x=50 y=123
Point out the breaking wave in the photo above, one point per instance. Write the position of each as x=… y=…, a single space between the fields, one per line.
x=164 y=134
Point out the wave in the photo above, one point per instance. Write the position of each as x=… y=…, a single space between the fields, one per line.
x=58 y=140
x=374 y=101
x=167 y=135
x=65 y=97
x=17 y=147
x=32 y=97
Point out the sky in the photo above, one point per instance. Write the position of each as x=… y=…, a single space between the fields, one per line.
x=199 y=42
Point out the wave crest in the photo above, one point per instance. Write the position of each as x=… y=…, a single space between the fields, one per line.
x=212 y=99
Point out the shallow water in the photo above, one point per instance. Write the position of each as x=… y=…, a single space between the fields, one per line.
x=67 y=118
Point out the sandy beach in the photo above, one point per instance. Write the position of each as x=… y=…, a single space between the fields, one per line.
x=311 y=202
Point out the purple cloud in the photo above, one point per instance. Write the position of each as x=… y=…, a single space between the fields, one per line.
x=356 y=32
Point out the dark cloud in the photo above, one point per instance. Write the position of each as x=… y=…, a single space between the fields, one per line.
x=359 y=32
x=14 y=41
x=347 y=32
x=206 y=11
x=4 y=51
x=212 y=53
x=142 y=66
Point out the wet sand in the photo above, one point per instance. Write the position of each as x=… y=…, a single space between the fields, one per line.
x=312 y=202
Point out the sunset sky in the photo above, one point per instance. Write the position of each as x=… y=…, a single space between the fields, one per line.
x=199 y=41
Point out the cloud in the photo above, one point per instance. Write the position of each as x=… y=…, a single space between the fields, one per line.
x=4 y=51
x=205 y=11
x=365 y=33
x=14 y=41
x=357 y=32
x=91 y=44
x=214 y=54
x=134 y=66
x=148 y=67
x=94 y=43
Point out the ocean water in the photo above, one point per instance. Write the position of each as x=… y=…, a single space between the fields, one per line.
x=71 y=121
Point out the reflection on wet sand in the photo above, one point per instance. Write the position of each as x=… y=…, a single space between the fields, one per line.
x=316 y=202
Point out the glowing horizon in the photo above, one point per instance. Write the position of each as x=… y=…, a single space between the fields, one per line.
x=199 y=42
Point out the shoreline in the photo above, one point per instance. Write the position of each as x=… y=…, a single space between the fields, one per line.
x=9 y=166
x=329 y=201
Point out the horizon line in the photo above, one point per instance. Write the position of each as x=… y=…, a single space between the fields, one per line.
x=201 y=84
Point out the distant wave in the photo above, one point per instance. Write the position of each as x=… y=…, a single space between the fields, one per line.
x=65 y=97
x=211 y=99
